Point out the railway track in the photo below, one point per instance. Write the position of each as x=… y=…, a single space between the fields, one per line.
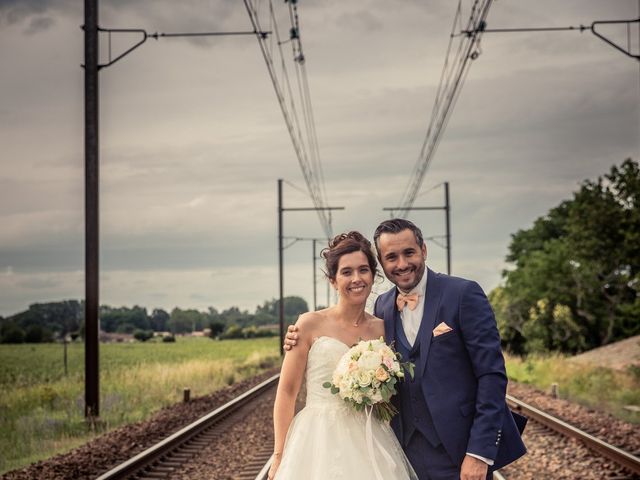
x=542 y=420
x=167 y=456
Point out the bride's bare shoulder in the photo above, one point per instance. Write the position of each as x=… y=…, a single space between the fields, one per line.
x=376 y=324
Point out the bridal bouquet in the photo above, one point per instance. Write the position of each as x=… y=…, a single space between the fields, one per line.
x=366 y=376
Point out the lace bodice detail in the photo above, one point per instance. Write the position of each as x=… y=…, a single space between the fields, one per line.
x=324 y=355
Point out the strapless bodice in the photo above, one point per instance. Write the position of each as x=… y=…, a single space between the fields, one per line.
x=323 y=357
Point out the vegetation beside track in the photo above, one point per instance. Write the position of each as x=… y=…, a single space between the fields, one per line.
x=42 y=409
x=596 y=387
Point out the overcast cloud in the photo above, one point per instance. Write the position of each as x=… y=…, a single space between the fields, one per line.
x=192 y=140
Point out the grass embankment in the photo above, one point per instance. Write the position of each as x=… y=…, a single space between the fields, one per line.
x=42 y=410
x=596 y=387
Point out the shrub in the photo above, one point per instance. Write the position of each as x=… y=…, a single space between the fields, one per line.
x=13 y=334
x=216 y=329
x=232 y=331
x=143 y=335
x=37 y=334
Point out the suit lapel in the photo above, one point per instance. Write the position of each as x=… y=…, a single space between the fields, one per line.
x=428 y=323
x=389 y=315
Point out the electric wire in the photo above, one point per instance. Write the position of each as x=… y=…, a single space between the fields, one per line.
x=452 y=78
x=303 y=134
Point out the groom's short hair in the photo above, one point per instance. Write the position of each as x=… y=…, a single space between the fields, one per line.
x=396 y=225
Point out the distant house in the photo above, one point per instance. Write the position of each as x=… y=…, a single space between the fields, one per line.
x=204 y=333
x=112 y=337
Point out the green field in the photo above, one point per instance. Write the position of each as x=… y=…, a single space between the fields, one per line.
x=596 y=387
x=42 y=410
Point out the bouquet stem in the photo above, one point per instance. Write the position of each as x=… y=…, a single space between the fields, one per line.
x=384 y=411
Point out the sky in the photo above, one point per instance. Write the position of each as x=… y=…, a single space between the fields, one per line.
x=192 y=141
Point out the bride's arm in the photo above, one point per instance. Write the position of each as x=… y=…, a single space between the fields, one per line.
x=291 y=375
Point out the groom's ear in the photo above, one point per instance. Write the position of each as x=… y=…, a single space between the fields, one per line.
x=424 y=250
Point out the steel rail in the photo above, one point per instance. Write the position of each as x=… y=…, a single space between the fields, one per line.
x=265 y=470
x=164 y=447
x=615 y=454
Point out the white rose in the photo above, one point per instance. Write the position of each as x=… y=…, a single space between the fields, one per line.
x=364 y=378
x=370 y=360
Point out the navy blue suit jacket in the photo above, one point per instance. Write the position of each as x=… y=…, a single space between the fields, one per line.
x=462 y=372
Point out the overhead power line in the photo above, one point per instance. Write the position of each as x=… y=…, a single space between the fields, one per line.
x=454 y=72
x=626 y=49
x=296 y=108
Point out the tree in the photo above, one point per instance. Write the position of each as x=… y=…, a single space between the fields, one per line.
x=235 y=316
x=123 y=319
x=293 y=307
x=12 y=333
x=159 y=320
x=37 y=334
x=59 y=317
x=575 y=280
x=185 y=321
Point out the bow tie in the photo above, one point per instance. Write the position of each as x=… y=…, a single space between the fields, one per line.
x=410 y=299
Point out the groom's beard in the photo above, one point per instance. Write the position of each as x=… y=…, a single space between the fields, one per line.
x=407 y=278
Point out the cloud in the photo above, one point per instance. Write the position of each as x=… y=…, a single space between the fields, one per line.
x=192 y=141
x=39 y=24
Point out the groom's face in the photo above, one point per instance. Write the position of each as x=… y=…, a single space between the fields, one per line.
x=403 y=260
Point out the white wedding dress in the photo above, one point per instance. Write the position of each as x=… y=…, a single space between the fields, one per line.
x=327 y=439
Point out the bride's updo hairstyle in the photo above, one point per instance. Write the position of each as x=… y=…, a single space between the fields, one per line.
x=343 y=244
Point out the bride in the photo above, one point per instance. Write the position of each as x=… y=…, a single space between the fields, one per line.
x=328 y=439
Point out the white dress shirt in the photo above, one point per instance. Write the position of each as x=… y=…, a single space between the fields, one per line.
x=411 y=319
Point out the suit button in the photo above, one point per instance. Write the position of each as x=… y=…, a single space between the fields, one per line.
x=415 y=419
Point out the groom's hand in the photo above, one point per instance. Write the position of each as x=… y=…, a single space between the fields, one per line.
x=473 y=469
x=291 y=339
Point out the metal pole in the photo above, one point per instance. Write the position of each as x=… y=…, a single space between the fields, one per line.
x=447 y=211
x=315 y=289
x=280 y=268
x=91 y=100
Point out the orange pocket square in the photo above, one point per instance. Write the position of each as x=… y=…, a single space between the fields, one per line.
x=441 y=328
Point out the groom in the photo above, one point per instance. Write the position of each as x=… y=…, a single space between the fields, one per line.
x=454 y=422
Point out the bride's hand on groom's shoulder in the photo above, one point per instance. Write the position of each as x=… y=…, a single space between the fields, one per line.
x=291 y=339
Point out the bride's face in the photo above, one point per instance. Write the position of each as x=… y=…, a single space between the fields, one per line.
x=354 y=277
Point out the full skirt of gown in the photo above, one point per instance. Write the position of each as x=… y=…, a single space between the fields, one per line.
x=327 y=438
